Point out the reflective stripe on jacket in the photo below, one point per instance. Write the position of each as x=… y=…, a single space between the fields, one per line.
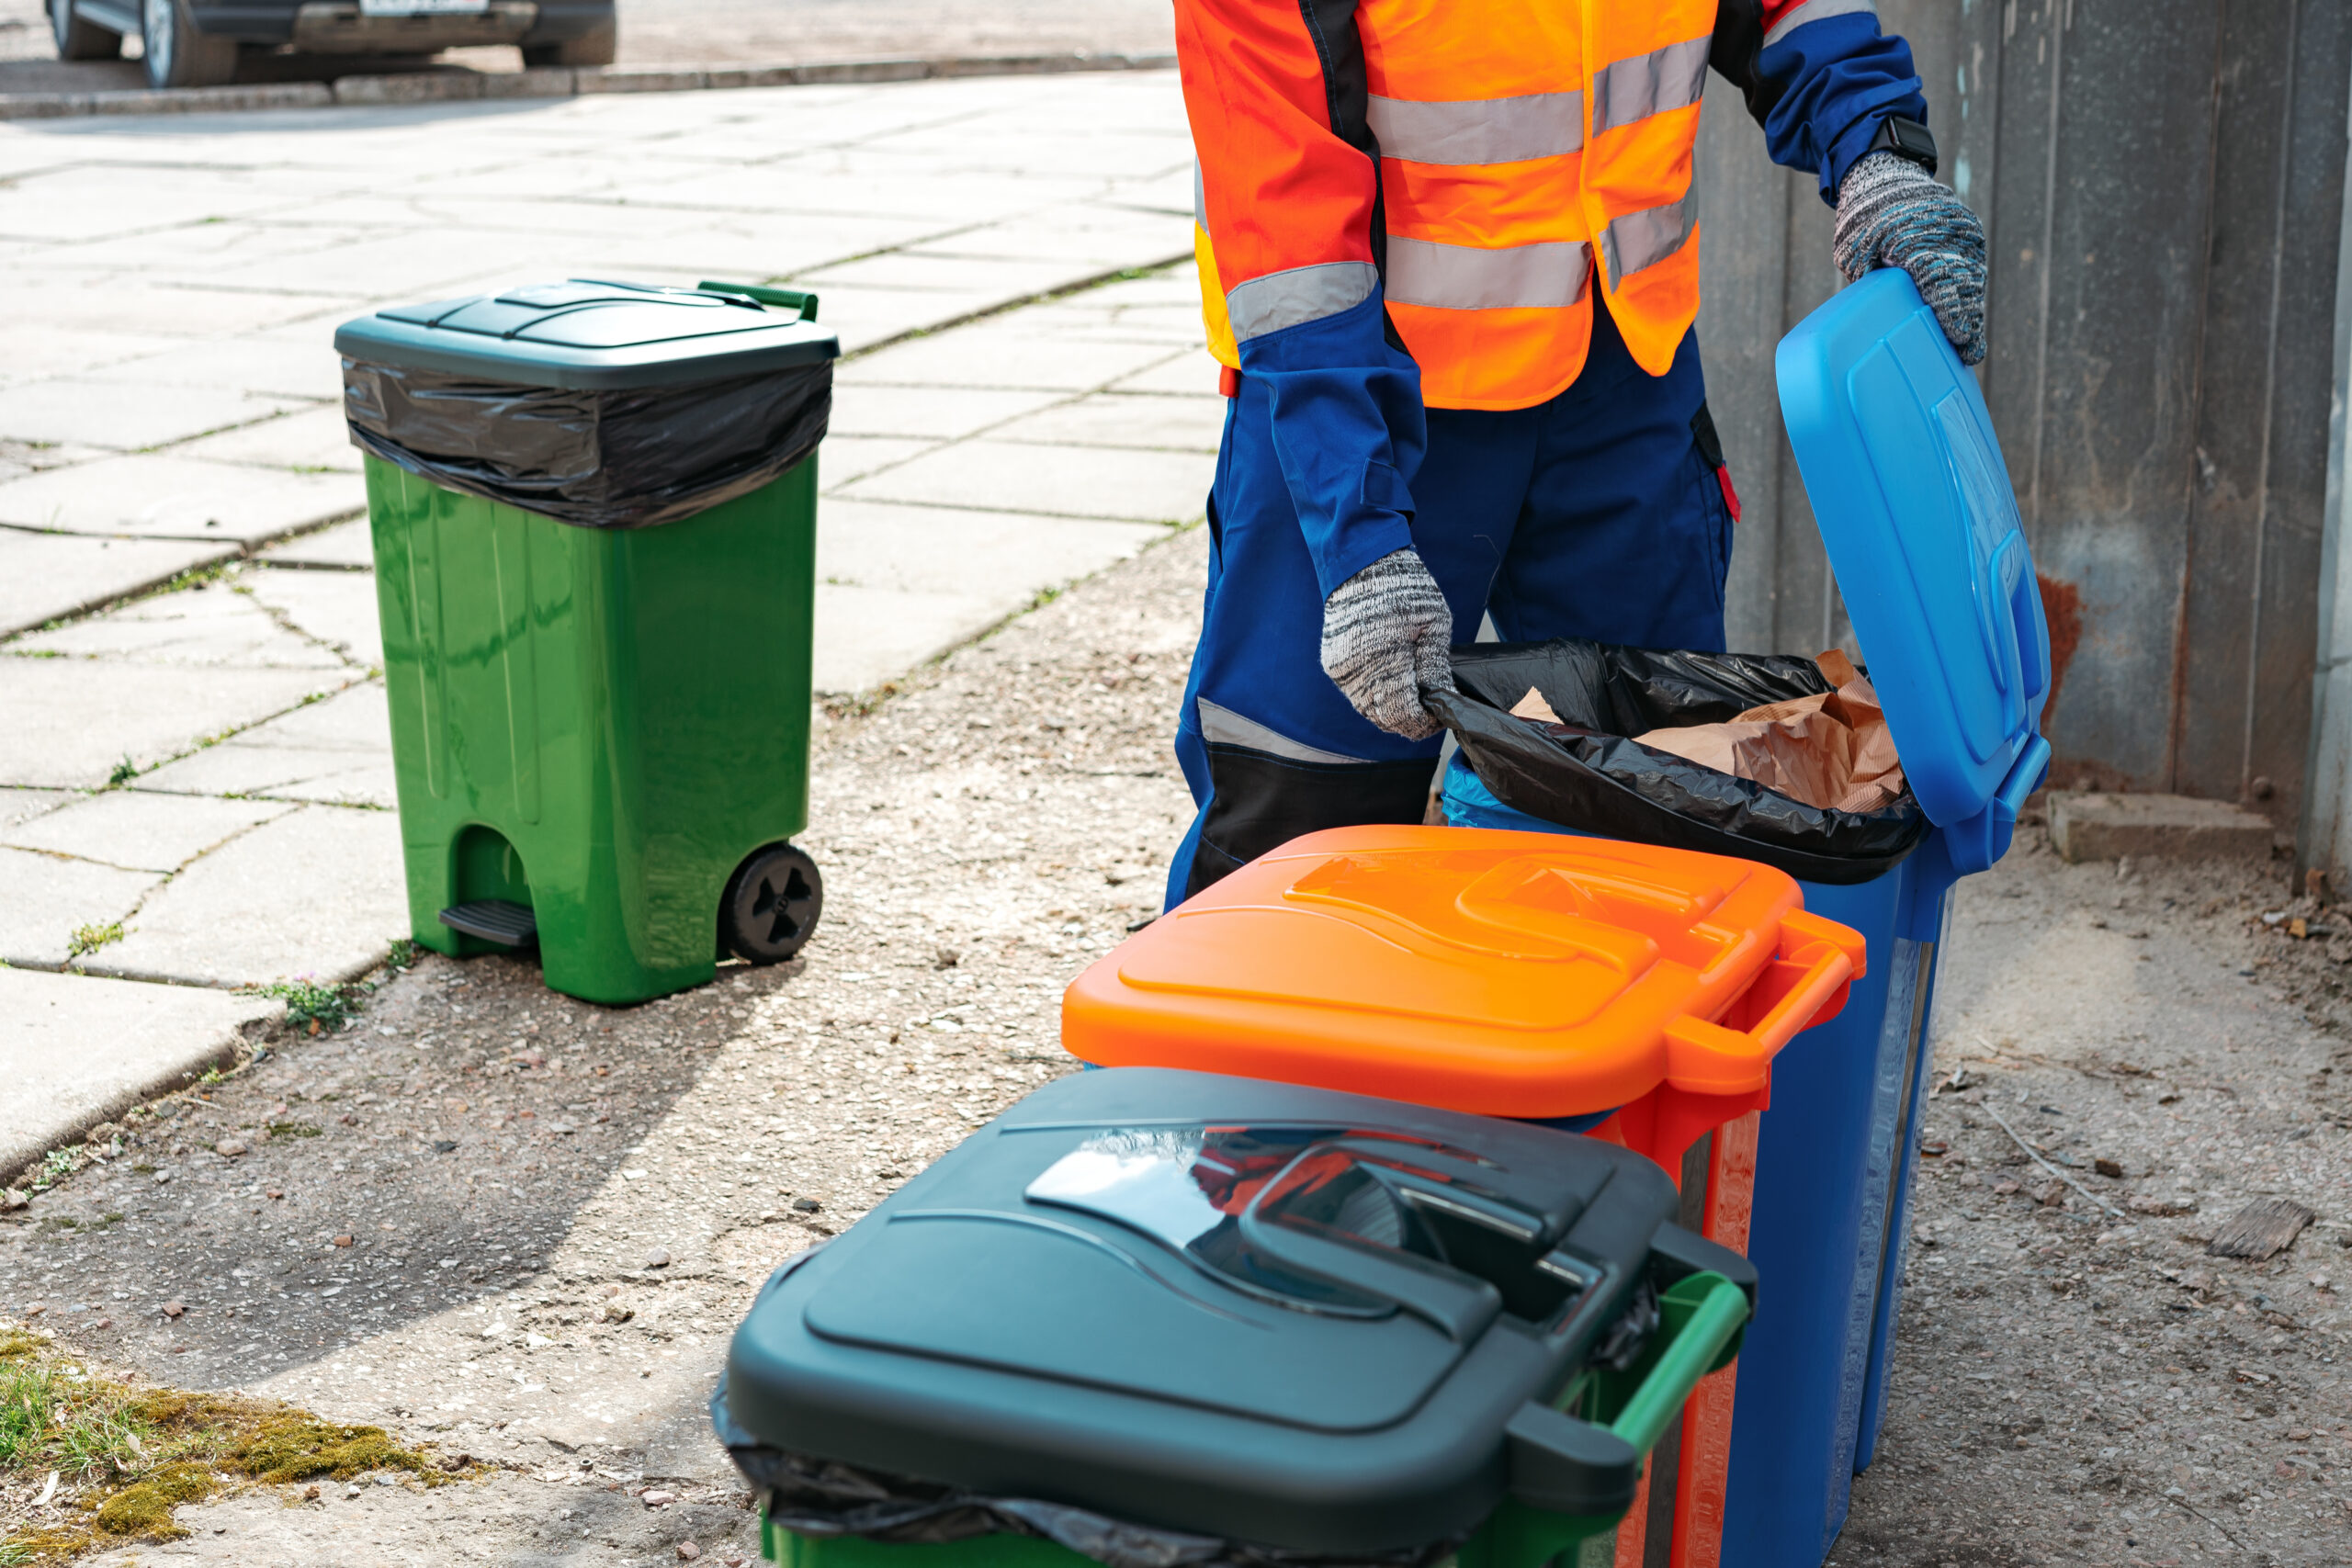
x=1528 y=152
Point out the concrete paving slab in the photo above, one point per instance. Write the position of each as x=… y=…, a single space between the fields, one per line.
x=46 y=576
x=326 y=776
x=1170 y=324
x=938 y=412
x=139 y=832
x=1063 y=481
x=156 y=495
x=209 y=626
x=1089 y=233
x=202 y=253
x=23 y=805
x=846 y=457
x=153 y=711
x=31 y=350
x=337 y=607
x=18 y=458
x=169 y=310
x=1001 y=557
x=756 y=248
x=337 y=751
x=1185 y=375
x=342 y=547
x=843 y=183
x=1178 y=285
x=1124 y=419
x=1003 y=353
x=1005 y=278
x=125 y=417
x=95 y=198
x=319 y=892
x=300 y=364
x=413 y=264
x=867 y=636
x=314 y=439
x=75 y=1052
x=863 y=316
x=2169 y=827
x=45 y=898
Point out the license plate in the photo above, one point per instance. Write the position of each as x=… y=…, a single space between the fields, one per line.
x=422 y=7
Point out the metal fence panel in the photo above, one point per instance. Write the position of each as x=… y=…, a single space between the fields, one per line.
x=2162 y=181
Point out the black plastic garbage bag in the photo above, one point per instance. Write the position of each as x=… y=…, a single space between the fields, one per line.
x=824 y=1498
x=626 y=459
x=1586 y=773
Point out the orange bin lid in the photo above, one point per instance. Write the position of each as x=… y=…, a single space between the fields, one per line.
x=1527 y=974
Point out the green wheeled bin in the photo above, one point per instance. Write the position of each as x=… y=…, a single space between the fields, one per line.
x=1151 y=1318
x=594 y=512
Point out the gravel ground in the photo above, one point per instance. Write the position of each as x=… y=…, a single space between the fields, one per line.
x=2079 y=1381
x=520 y=1227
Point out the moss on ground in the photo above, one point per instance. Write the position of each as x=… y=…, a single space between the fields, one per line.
x=126 y=1456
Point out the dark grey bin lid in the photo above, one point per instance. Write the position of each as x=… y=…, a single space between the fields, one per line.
x=589 y=335
x=1210 y=1304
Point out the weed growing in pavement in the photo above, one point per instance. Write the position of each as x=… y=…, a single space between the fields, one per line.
x=311 y=1005
x=293 y=1130
x=127 y=1456
x=56 y=1167
x=124 y=771
x=401 y=956
x=89 y=938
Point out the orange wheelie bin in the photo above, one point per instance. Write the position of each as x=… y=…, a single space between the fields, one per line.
x=1633 y=992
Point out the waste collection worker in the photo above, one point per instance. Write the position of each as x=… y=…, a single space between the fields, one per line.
x=1449 y=256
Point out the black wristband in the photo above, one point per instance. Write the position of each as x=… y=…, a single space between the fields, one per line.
x=1906 y=139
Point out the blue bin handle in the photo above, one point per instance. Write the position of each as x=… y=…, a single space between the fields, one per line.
x=1976 y=843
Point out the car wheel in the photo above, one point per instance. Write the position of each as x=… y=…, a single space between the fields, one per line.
x=79 y=37
x=599 y=48
x=178 y=55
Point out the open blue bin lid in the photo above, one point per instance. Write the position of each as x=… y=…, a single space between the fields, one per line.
x=1914 y=508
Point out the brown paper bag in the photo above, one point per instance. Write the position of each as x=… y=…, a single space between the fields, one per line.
x=1832 y=752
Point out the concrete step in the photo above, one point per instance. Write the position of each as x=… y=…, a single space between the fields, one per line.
x=2169 y=827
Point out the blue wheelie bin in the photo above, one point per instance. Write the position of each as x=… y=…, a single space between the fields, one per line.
x=1921 y=526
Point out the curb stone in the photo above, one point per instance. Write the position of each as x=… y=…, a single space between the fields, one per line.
x=449 y=87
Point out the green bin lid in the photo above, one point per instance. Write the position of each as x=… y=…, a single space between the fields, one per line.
x=589 y=335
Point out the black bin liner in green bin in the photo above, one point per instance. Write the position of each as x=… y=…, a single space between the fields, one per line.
x=824 y=1498
x=529 y=398
x=1586 y=771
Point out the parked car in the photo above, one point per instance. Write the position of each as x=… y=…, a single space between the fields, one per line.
x=195 y=43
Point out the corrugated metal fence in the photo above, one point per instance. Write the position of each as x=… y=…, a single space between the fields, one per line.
x=2162 y=181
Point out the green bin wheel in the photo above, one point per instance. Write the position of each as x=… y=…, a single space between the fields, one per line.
x=771 y=904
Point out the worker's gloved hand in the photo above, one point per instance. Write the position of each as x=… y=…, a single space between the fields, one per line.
x=1890 y=212
x=1385 y=634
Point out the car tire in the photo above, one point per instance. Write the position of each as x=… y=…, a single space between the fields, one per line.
x=178 y=55
x=79 y=37
x=599 y=48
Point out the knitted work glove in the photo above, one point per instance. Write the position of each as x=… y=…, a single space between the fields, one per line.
x=1385 y=634
x=1890 y=212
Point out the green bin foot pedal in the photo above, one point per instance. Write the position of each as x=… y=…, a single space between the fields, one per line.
x=494 y=920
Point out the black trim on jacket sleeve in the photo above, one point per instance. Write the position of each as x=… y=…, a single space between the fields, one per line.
x=1739 y=39
x=1347 y=93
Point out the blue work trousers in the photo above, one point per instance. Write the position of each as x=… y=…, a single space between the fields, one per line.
x=1595 y=514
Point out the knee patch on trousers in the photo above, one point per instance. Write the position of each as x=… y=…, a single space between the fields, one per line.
x=1259 y=802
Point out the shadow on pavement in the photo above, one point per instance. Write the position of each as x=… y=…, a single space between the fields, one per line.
x=435 y=1152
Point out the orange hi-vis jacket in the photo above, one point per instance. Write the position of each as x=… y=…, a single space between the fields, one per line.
x=1527 y=152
